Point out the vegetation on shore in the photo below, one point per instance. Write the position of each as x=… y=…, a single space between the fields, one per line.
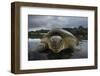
x=81 y=33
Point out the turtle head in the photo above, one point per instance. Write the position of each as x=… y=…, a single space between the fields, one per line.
x=55 y=43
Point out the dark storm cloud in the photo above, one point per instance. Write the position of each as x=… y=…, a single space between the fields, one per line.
x=48 y=22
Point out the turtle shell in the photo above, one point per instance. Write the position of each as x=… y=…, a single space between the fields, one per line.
x=59 y=39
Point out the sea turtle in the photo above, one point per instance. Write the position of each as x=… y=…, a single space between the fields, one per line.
x=59 y=39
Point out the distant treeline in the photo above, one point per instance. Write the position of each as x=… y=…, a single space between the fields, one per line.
x=80 y=33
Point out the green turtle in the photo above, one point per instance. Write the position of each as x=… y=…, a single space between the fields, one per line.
x=59 y=39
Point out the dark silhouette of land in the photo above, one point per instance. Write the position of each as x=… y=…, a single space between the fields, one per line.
x=81 y=33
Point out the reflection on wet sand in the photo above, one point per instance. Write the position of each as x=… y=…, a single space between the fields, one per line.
x=36 y=52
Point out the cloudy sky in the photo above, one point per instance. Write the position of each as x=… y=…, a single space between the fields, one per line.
x=36 y=22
